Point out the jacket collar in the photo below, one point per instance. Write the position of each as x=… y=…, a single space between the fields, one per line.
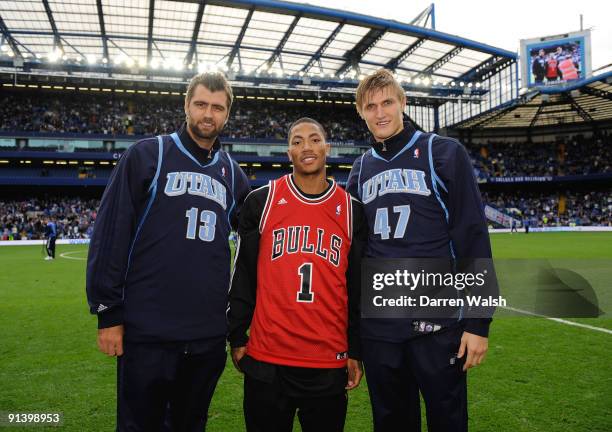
x=389 y=147
x=201 y=154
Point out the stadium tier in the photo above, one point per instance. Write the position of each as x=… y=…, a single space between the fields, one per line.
x=24 y=219
x=120 y=115
x=69 y=127
x=76 y=216
x=64 y=138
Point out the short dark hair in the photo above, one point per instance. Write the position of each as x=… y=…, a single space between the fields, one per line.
x=213 y=81
x=306 y=120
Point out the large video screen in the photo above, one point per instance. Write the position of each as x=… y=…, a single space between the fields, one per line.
x=556 y=60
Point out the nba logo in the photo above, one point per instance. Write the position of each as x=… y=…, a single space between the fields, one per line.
x=417 y=153
x=223 y=171
x=338 y=210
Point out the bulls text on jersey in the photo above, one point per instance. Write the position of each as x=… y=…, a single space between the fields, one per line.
x=193 y=183
x=295 y=239
x=395 y=180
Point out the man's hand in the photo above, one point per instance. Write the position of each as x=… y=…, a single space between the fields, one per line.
x=476 y=348
x=237 y=354
x=110 y=340
x=355 y=372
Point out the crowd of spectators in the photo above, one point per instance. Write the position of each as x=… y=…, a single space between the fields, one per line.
x=112 y=114
x=42 y=112
x=75 y=217
x=576 y=156
x=265 y=120
x=25 y=219
x=543 y=209
x=145 y=115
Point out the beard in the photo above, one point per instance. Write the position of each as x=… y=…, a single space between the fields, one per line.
x=210 y=134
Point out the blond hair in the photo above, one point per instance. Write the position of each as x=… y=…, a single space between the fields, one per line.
x=213 y=81
x=378 y=80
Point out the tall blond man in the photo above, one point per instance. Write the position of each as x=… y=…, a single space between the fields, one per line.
x=421 y=200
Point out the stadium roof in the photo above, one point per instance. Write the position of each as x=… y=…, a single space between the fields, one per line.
x=585 y=102
x=151 y=39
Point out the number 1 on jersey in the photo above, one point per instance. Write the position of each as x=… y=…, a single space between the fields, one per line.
x=305 y=293
x=381 y=222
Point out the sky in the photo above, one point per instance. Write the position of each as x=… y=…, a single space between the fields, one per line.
x=499 y=23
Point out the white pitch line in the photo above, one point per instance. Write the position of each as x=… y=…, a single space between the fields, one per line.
x=559 y=320
x=65 y=255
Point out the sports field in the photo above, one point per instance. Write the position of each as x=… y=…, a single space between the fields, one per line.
x=540 y=375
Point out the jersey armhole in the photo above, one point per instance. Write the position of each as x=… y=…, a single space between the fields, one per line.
x=160 y=154
x=153 y=191
x=349 y=215
x=433 y=171
x=231 y=164
x=435 y=180
x=359 y=176
x=267 y=206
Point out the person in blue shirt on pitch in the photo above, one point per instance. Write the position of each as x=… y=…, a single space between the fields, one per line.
x=437 y=213
x=51 y=236
x=158 y=270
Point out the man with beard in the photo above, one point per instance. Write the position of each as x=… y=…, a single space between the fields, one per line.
x=159 y=265
x=538 y=66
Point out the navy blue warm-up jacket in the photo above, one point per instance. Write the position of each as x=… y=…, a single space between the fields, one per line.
x=421 y=200
x=159 y=258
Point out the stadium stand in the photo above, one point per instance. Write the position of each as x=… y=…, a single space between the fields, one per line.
x=75 y=216
x=576 y=156
x=567 y=208
x=139 y=115
x=64 y=122
x=62 y=115
x=23 y=219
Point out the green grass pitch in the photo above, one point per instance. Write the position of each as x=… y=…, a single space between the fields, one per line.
x=539 y=375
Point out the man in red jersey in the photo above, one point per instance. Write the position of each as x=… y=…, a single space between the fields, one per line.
x=296 y=286
x=552 y=68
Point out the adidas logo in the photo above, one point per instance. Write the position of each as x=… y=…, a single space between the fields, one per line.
x=102 y=308
x=281 y=201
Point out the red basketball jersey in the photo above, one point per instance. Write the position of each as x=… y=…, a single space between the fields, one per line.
x=301 y=313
